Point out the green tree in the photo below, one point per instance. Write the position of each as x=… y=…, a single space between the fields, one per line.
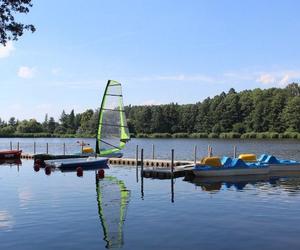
x=85 y=122
x=51 y=125
x=7 y=131
x=45 y=123
x=143 y=120
x=71 y=129
x=10 y=29
x=31 y=126
x=291 y=114
x=12 y=122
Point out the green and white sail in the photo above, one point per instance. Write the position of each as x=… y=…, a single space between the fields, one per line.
x=113 y=131
x=113 y=199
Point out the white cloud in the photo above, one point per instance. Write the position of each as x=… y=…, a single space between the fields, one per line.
x=285 y=80
x=26 y=72
x=182 y=77
x=279 y=78
x=56 y=71
x=266 y=79
x=5 y=51
x=150 y=103
x=175 y=77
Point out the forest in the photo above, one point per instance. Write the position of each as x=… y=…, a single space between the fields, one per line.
x=258 y=113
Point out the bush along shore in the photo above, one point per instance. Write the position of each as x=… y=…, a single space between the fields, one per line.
x=230 y=135
x=46 y=135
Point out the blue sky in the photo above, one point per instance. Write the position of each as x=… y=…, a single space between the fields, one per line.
x=162 y=52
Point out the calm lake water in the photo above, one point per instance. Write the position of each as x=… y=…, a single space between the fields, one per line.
x=63 y=211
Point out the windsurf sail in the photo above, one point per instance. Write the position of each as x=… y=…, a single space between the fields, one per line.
x=113 y=199
x=113 y=131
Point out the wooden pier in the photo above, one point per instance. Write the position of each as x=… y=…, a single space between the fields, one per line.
x=167 y=173
x=152 y=168
x=147 y=162
x=26 y=156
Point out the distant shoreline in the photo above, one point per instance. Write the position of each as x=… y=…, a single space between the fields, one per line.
x=229 y=135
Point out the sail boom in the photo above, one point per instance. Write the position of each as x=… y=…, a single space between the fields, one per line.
x=112 y=125
x=113 y=110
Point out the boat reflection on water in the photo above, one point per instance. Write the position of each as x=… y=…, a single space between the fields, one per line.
x=79 y=170
x=113 y=199
x=289 y=182
x=11 y=162
x=213 y=184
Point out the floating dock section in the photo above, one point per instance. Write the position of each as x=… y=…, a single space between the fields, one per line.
x=147 y=163
x=26 y=156
x=168 y=173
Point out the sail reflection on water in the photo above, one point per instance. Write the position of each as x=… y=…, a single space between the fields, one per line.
x=113 y=199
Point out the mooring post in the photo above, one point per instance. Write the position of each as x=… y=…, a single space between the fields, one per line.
x=172 y=163
x=34 y=147
x=234 y=151
x=47 y=148
x=18 y=146
x=64 y=148
x=195 y=154
x=142 y=173
x=10 y=145
x=172 y=189
x=208 y=150
x=153 y=152
x=137 y=162
x=142 y=162
x=137 y=155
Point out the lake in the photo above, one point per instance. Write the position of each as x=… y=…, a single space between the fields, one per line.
x=63 y=211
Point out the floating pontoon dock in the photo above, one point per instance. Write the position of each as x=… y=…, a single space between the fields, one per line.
x=151 y=168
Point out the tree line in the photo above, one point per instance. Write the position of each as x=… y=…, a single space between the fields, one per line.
x=269 y=110
x=81 y=124
x=273 y=110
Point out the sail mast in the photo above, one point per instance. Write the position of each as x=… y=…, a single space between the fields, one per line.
x=99 y=119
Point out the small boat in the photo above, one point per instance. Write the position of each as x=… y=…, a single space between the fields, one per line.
x=112 y=134
x=214 y=166
x=10 y=154
x=73 y=163
x=274 y=163
x=40 y=158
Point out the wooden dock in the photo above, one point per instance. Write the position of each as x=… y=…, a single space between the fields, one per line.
x=26 y=156
x=152 y=168
x=147 y=162
x=167 y=173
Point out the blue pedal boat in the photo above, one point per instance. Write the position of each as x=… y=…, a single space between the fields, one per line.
x=279 y=164
x=227 y=166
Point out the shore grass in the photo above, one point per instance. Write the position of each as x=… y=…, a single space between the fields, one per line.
x=46 y=135
x=229 y=135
